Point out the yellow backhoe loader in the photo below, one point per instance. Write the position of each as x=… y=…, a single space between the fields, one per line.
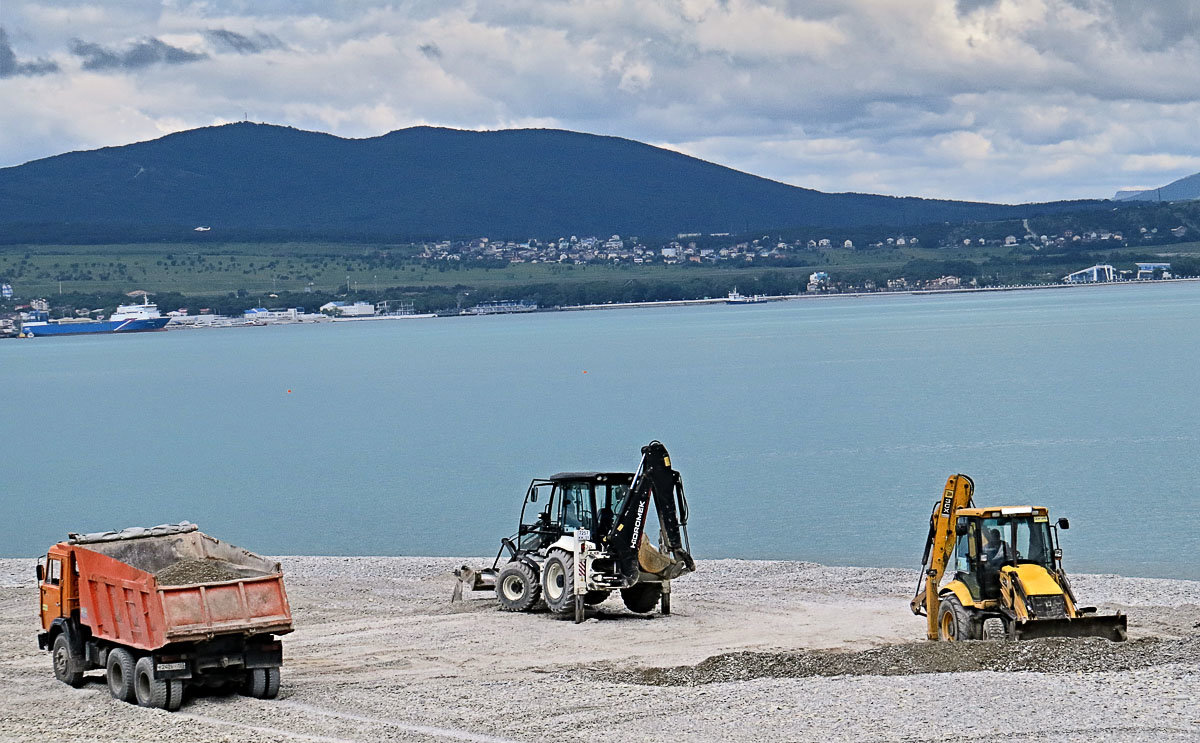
x=1008 y=577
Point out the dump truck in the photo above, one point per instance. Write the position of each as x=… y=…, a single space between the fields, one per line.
x=1009 y=581
x=588 y=539
x=159 y=608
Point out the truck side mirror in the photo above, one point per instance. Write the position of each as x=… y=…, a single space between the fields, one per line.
x=961 y=527
x=41 y=573
x=533 y=496
x=1064 y=524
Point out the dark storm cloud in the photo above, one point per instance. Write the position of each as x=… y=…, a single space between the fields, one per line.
x=1149 y=26
x=430 y=50
x=966 y=6
x=242 y=44
x=10 y=66
x=143 y=53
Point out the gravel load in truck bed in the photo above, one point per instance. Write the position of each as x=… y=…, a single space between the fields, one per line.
x=190 y=572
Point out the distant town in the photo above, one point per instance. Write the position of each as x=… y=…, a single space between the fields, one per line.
x=718 y=247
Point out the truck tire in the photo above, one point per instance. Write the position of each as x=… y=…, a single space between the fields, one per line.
x=558 y=582
x=66 y=665
x=641 y=598
x=151 y=692
x=955 y=623
x=120 y=669
x=517 y=587
x=262 y=683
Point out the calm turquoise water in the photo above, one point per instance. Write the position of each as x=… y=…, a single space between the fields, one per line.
x=817 y=430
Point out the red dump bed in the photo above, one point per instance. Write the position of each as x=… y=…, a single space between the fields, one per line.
x=121 y=600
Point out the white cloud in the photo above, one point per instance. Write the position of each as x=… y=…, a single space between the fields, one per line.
x=980 y=99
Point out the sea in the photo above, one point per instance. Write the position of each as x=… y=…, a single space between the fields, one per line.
x=816 y=429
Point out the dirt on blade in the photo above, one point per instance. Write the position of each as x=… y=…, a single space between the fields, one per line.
x=1058 y=655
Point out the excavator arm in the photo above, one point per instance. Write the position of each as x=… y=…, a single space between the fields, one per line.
x=938 y=547
x=654 y=480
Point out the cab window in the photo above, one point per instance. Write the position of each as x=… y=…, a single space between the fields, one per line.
x=1033 y=541
x=54 y=571
x=577 y=506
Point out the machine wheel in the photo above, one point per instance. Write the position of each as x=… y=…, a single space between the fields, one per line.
x=151 y=692
x=641 y=598
x=66 y=668
x=591 y=598
x=954 y=621
x=119 y=670
x=517 y=587
x=558 y=582
x=262 y=683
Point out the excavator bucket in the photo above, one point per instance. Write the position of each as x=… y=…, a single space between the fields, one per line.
x=1110 y=627
x=470 y=579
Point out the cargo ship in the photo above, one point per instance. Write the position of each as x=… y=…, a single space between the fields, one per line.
x=129 y=318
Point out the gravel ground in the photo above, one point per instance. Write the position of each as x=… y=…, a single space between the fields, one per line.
x=754 y=651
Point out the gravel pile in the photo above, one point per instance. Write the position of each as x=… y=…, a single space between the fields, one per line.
x=190 y=572
x=1058 y=655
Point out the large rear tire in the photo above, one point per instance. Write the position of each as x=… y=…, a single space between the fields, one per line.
x=955 y=622
x=66 y=665
x=158 y=693
x=558 y=582
x=517 y=587
x=641 y=598
x=262 y=683
x=120 y=670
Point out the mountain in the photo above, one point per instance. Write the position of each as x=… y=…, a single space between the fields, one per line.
x=260 y=180
x=1184 y=189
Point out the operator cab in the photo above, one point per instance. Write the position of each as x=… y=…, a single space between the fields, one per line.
x=568 y=501
x=990 y=538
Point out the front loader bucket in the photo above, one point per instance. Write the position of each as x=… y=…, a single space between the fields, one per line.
x=470 y=579
x=1111 y=627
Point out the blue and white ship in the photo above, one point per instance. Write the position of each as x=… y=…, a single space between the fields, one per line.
x=129 y=318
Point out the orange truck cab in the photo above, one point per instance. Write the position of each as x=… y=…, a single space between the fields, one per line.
x=159 y=608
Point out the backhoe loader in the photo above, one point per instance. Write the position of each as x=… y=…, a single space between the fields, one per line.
x=1008 y=577
x=588 y=540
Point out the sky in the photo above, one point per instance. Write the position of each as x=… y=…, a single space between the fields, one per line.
x=996 y=100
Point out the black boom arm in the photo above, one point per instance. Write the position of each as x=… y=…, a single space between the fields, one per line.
x=655 y=479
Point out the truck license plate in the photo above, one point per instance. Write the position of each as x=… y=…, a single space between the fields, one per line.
x=180 y=666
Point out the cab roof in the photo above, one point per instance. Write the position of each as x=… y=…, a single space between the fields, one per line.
x=591 y=476
x=994 y=511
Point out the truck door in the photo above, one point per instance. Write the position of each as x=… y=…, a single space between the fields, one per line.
x=51 y=590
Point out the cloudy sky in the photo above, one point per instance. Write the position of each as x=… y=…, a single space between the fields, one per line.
x=1000 y=100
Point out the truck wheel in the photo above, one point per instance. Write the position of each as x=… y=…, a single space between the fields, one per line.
x=66 y=666
x=558 y=582
x=158 y=693
x=119 y=670
x=641 y=598
x=517 y=587
x=954 y=621
x=262 y=683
